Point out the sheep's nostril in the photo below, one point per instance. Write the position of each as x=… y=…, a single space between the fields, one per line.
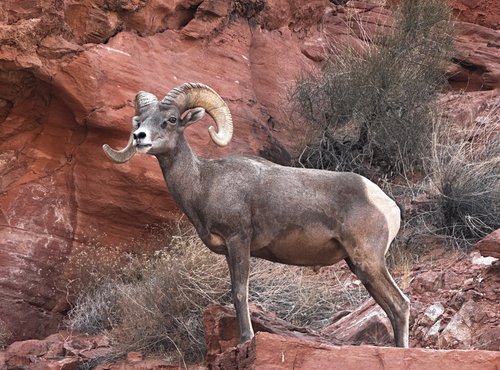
x=139 y=135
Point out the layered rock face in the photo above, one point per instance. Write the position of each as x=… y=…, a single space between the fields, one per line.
x=69 y=74
x=69 y=71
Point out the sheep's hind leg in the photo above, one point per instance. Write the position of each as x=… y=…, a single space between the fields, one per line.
x=383 y=289
x=238 y=259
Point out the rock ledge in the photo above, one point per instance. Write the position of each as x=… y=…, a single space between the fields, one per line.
x=270 y=351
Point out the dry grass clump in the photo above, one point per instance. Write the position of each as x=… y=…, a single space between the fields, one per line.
x=95 y=308
x=5 y=334
x=376 y=106
x=82 y=270
x=155 y=304
x=301 y=296
x=466 y=174
x=458 y=202
x=162 y=311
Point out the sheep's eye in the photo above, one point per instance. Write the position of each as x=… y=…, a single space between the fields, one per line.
x=165 y=122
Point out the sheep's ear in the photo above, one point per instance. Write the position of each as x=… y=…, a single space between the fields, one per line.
x=192 y=116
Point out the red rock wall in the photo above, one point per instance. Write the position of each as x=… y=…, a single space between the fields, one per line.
x=482 y=12
x=69 y=71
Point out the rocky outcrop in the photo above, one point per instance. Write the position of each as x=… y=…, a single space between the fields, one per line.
x=476 y=59
x=69 y=71
x=454 y=322
x=277 y=352
x=63 y=350
x=70 y=351
x=455 y=304
x=66 y=351
x=222 y=333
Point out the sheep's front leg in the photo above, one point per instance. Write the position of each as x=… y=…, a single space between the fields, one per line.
x=238 y=259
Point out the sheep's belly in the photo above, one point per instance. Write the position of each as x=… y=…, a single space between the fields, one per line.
x=315 y=247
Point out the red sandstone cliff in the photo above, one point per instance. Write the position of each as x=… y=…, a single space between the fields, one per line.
x=69 y=71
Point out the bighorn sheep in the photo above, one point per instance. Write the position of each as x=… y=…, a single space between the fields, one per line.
x=244 y=206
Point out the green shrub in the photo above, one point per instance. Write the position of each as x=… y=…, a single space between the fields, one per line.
x=376 y=106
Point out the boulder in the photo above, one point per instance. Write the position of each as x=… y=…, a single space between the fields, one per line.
x=458 y=332
x=368 y=324
x=489 y=246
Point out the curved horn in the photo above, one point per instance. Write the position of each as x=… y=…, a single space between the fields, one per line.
x=123 y=155
x=191 y=95
x=143 y=102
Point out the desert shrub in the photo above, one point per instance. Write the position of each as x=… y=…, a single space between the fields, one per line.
x=154 y=304
x=376 y=105
x=466 y=174
x=162 y=312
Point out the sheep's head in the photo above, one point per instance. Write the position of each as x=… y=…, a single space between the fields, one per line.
x=157 y=125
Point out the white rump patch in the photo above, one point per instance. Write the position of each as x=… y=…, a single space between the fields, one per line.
x=384 y=204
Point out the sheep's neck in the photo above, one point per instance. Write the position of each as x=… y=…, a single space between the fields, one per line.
x=181 y=171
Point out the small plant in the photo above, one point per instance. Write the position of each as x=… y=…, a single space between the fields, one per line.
x=420 y=228
x=162 y=311
x=376 y=105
